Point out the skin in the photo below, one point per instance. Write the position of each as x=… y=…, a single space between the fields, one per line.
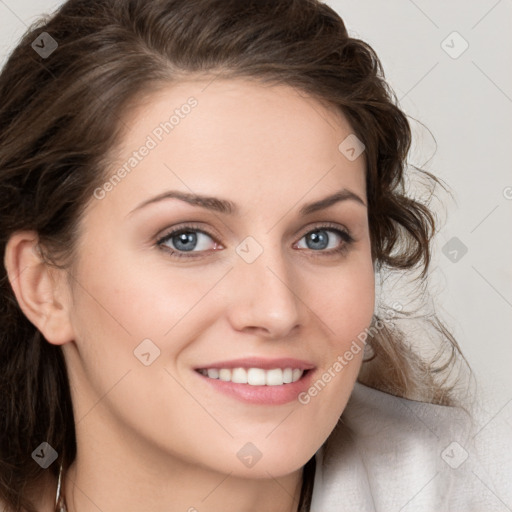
x=157 y=437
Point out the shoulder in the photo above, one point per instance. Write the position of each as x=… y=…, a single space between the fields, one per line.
x=390 y=453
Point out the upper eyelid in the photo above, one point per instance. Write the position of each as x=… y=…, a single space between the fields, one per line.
x=185 y=228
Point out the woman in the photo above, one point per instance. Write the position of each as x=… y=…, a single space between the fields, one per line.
x=197 y=196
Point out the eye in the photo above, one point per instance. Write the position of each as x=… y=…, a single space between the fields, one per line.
x=326 y=237
x=188 y=239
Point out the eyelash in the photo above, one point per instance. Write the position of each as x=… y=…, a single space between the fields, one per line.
x=344 y=235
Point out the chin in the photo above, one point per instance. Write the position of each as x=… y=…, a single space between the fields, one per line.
x=276 y=457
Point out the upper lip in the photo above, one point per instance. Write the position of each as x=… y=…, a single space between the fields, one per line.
x=258 y=362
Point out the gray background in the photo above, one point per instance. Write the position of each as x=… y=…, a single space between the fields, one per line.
x=466 y=102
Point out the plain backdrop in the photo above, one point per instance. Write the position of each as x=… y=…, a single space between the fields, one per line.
x=449 y=64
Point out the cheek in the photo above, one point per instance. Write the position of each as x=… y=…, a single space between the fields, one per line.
x=136 y=297
x=119 y=304
x=344 y=300
x=119 y=301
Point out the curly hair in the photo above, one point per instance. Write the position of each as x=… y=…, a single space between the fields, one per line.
x=61 y=119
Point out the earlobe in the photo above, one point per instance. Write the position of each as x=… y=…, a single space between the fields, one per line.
x=40 y=289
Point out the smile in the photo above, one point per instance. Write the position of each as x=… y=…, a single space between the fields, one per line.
x=254 y=376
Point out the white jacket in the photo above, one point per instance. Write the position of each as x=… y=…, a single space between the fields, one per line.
x=389 y=454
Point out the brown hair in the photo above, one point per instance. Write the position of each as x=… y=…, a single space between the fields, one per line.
x=61 y=117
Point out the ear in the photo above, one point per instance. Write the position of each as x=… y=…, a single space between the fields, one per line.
x=41 y=291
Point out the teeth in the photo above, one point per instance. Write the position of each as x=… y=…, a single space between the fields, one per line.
x=287 y=375
x=274 y=377
x=225 y=374
x=239 y=375
x=296 y=374
x=255 y=376
x=213 y=373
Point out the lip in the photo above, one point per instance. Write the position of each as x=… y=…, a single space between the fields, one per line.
x=262 y=395
x=258 y=362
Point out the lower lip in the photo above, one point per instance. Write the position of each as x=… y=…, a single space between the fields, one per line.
x=266 y=395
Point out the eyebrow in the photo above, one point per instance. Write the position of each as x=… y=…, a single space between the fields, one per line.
x=228 y=207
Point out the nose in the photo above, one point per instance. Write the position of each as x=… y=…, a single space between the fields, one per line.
x=263 y=296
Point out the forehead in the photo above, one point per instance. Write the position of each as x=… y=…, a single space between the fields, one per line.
x=235 y=138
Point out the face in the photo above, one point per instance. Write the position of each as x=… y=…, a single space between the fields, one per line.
x=168 y=295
